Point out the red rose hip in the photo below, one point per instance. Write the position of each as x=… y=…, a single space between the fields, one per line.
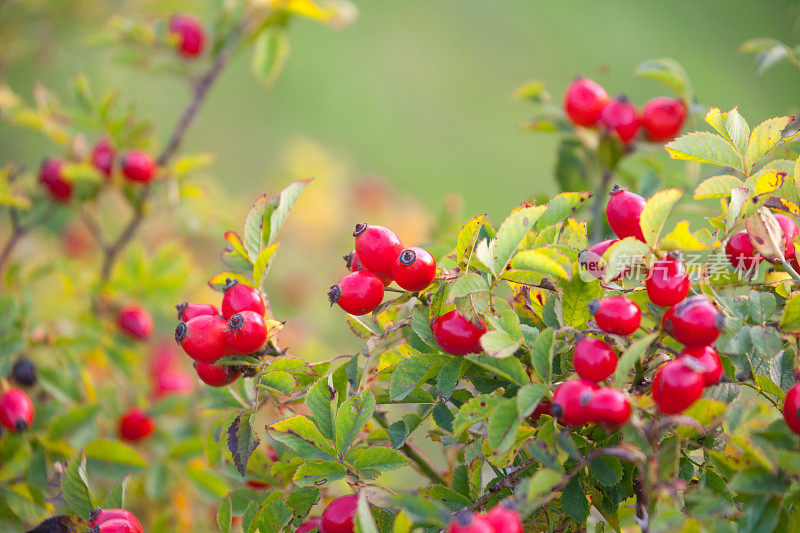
x=662 y=118
x=618 y=315
x=191 y=36
x=620 y=117
x=358 y=293
x=309 y=525
x=354 y=264
x=677 y=385
x=504 y=519
x=103 y=157
x=466 y=522
x=338 y=515
x=609 y=406
x=594 y=359
x=592 y=259
x=135 y=425
x=708 y=358
x=791 y=408
x=246 y=333
x=16 y=410
x=135 y=321
x=667 y=281
x=53 y=179
x=240 y=297
x=571 y=400
x=740 y=251
x=694 y=322
x=101 y=517
x=203 y=338
x=216 y=375
x=138 y=166
x=377 y=247
x=456 y=335
x=414 y=269
x=623 y=212
x=187 y=311
x=584 y=101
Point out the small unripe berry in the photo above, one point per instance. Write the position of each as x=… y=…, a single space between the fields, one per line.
x=358 y=293
x=190 y=34
x=593 y=359
x=216 y=375
x=414 y=269
x=138 y=166
x=662 y=118
x=740 y=251
x=584 y=101
x=708 y=358
x=693 y=322
x=246 y=333
x=16 y=410
x=456 y=335
x=620 y=117
x=240 y=297
x=24 y=372
x=377 y=248
x=791 y=408
x=609 y=406
x=623 y=212
x=504 y=519
x=53 y=179
x=103 y=157
x=667 y=281
x=187 y=311
x=618 y=315
x=135 y=425
x=677 y=385
x=203 y=338
x=339 y=514
x=135 y=321
x=571 y=400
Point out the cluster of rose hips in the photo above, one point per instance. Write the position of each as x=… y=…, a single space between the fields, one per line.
x=16 y=407
x=587 y=104
x=378 y=259
x=114 y=521
x=502 y=518
x=693 y=321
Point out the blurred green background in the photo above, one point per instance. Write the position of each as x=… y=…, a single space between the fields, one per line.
x=419 y=91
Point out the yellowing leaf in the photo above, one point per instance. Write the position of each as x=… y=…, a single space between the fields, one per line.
x=766 y=234
x=705 y=147
x=764 y=138
x=730 y=125
x=681 y=238
x=716 y=187
x=655 y=213
x=547 y=261
x=768 y=182
x=622 y=255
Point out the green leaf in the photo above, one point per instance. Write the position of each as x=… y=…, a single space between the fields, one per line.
x=542 y=355
x=353 y=415
x=668 y=72
x=607 y=470
x=448 y=377
x=574 y=501
x=269 y=54
x=267 y=215
x=705 y=147
x=622 y=255
x=379 y=458
x=547 y=261
x=717 y=187
x=655 y=213
x=790 y=320
x=277 y=381
x=542 y=482
x=115 y=452
x=467 y=237
x=300 y=434
x=577 y=293
x=472 y=412
x=503 y=425
x=421 y=324
x=242 y=441
x=321 y=401
x=75 y=486
x=318 y=473
x=115 y=496
x=764 y=138
x=499 y=344
x=262 y=264
x=469 y=283
x=269 y=514
x=413 y=371
x=562 y=206
x=511 y=233
x=509 y=368
x=528 y=397
x=732 y=126
x=225 y=515
x=633 y=354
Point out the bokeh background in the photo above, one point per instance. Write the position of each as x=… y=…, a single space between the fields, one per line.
x=403 y=116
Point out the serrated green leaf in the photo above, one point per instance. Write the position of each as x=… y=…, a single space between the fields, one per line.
x=467 y=237
x=542 y=355
x=562 y=206
x=75 y=486
x=321 y=401
x=528 y=397
x=500 y=344
x=655 y=213
x=547 y=261
x=607 y=470
x=705 y=147
x=379 y=458
x=730 y=125
x=351 y=417
x=262 y=263
x=225 y=515
x=277 y=381
x=319 y=473
x=511 y=233
x=577 y=293
x=509 y=368
x=300 y=434
x=503 y=424
x=764 y=138
x=717 y=187
x=242 y=441
x=413 y=371
x=472 y=412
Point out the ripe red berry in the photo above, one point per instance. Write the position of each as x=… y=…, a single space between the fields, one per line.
x=623 y=210
x=693 y=322
x=187 y=311
x=708 y=358
x=139 y=166
x=16 y=410
x=103 y=156
x=609 y=406
x=338 y=515
x=616 y=314
x=52 y=177
x=456 y=335
x=667 y=281
x=309 y=525
x=203 y=338
x=791 y=408
x=677 y=385
x=584 y=101
x=571 y=400
x=740 y=251
x=135 y=425
x=135 y=321
x=216 y=375
x=504 y=519
x=790 y=231
x=358 y=293
x=620 y=117
x=377 y=248
x=354 y=264
x=104 y=516
x=246 y=333
x=592 y=259
x=543 y=408
x=190 y=35
x=594 y=359
x=662 y=118
x=414 y=269
x=466 y=522
x=240 y=297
